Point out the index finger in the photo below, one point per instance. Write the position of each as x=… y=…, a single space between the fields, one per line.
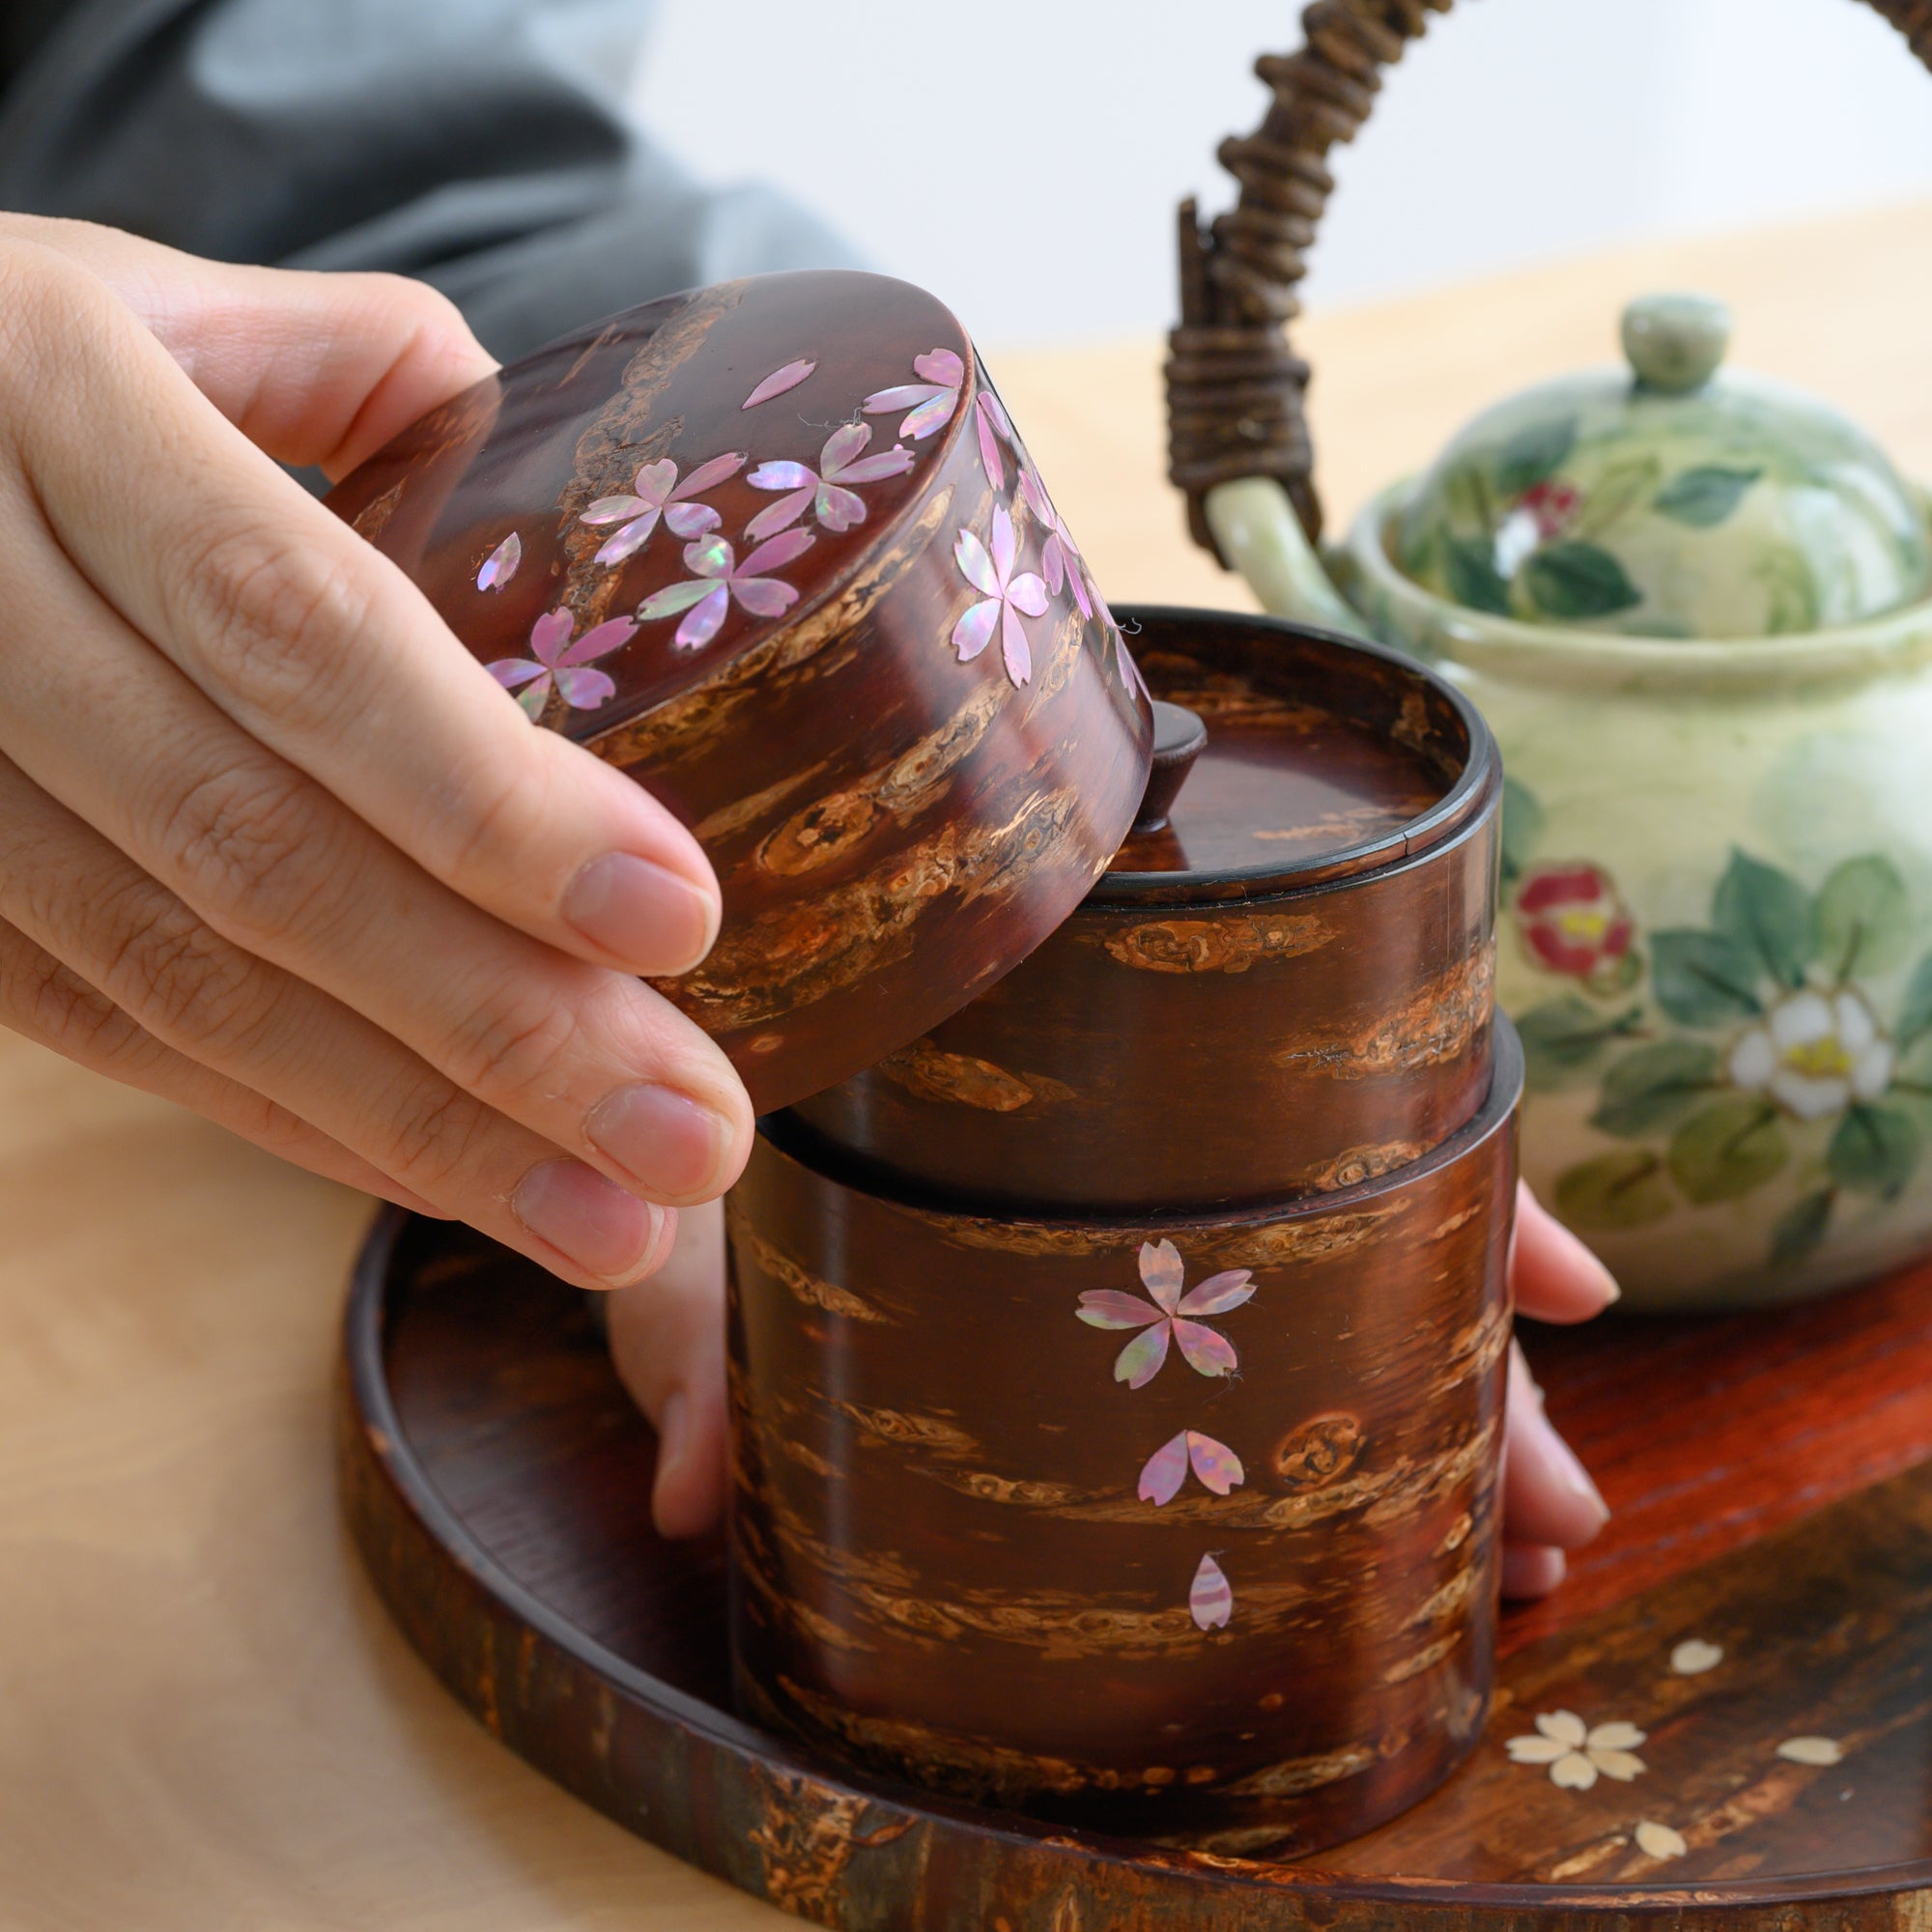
x=1556 y=1278
x=321 y=648
x=316 y=369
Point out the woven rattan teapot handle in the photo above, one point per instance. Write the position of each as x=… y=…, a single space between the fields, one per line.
x=1233 y=386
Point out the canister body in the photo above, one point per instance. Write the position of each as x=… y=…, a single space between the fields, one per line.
x=1248 y=1034
x=1244 y=1602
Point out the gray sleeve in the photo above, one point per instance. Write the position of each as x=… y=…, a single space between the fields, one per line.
x=483 y=145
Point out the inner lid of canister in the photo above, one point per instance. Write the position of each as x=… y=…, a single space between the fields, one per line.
x=1323 y=756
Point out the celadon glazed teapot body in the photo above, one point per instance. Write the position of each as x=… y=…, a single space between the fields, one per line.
x=1696 y=608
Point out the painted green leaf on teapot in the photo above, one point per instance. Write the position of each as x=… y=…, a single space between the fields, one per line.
x=1799 y=1230
x=1874 y=1150
x=1522 y=828
x=1915 y=1016
x=1766 y=912
x=1534 y=453
x=1730 y=1149
x=1863 y=923
x=1706 y=495
x=1565 y=1035
x=1703 y=979
x=1656 y=1087
x=1473 y=577
x=1577 y=578
x=1625 y=1190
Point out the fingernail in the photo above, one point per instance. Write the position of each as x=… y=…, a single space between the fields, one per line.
x=666 y=1142
x=1574 y=1478
x=591 y=1221
x=1531 y=1570
x=650 y=918
x=673 y=1434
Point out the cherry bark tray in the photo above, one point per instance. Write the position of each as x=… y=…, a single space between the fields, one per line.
x=1772 y=1498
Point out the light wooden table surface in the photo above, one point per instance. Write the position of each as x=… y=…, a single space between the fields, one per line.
x=205 y=1721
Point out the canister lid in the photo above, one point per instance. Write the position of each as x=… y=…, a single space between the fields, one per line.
x=776 y=548
x=679 y=483
x=1324 y=756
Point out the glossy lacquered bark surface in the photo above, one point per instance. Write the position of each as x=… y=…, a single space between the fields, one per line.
x=948 y=1562
x=1286 y=992
x=892 y=822
x=497 y=1480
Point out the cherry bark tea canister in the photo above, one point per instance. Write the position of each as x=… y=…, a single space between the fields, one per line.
x=1176 y=1527
x=776 y=548
x=1117 y=1371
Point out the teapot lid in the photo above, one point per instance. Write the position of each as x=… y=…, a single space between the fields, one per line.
x=1672 y=498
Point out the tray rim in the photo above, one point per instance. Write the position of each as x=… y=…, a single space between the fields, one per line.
x=372 y=1434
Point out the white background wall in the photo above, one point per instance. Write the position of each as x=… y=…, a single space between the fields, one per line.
x=1023 y=157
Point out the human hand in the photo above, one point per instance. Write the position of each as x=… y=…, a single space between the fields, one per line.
x=1550 y=1503
x=272 y=843
x=668 y=1342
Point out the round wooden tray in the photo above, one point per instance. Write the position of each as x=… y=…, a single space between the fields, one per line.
x=497 y=1482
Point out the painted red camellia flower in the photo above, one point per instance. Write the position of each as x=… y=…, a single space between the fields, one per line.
x=1574 y=922
x=1552 y=504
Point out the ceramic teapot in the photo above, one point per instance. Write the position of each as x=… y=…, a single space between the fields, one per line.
x=1695 y=609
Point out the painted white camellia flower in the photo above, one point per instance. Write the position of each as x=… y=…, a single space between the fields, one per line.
x=1814 y=1055
x=1578 y=1755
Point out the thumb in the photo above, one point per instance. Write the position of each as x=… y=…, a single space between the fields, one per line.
x=667 y=1344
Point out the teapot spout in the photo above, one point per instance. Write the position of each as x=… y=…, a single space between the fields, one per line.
x=1259 y=534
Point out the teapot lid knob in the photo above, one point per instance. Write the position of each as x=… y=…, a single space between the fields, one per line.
x=1675 y=342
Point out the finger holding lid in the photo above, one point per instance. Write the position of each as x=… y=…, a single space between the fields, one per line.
x=588 y=1058
x=322 y=650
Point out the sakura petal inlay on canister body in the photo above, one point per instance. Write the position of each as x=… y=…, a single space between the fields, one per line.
x=554 y=660
x=1164 y=1318
x=973 y=1554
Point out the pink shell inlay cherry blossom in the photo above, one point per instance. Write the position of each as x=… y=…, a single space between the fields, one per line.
x=779 y=382
x=1005 y=597
x=841 y=462
x=930 y=403
x=1205 y=1350
x=991 y=424
x=658 y=493
x=1124 y=659
x=500 y=566
x=719 y=578
x=1060 y=560
x=562 y=662
x=1216 y=1465
x=1210 y=1601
